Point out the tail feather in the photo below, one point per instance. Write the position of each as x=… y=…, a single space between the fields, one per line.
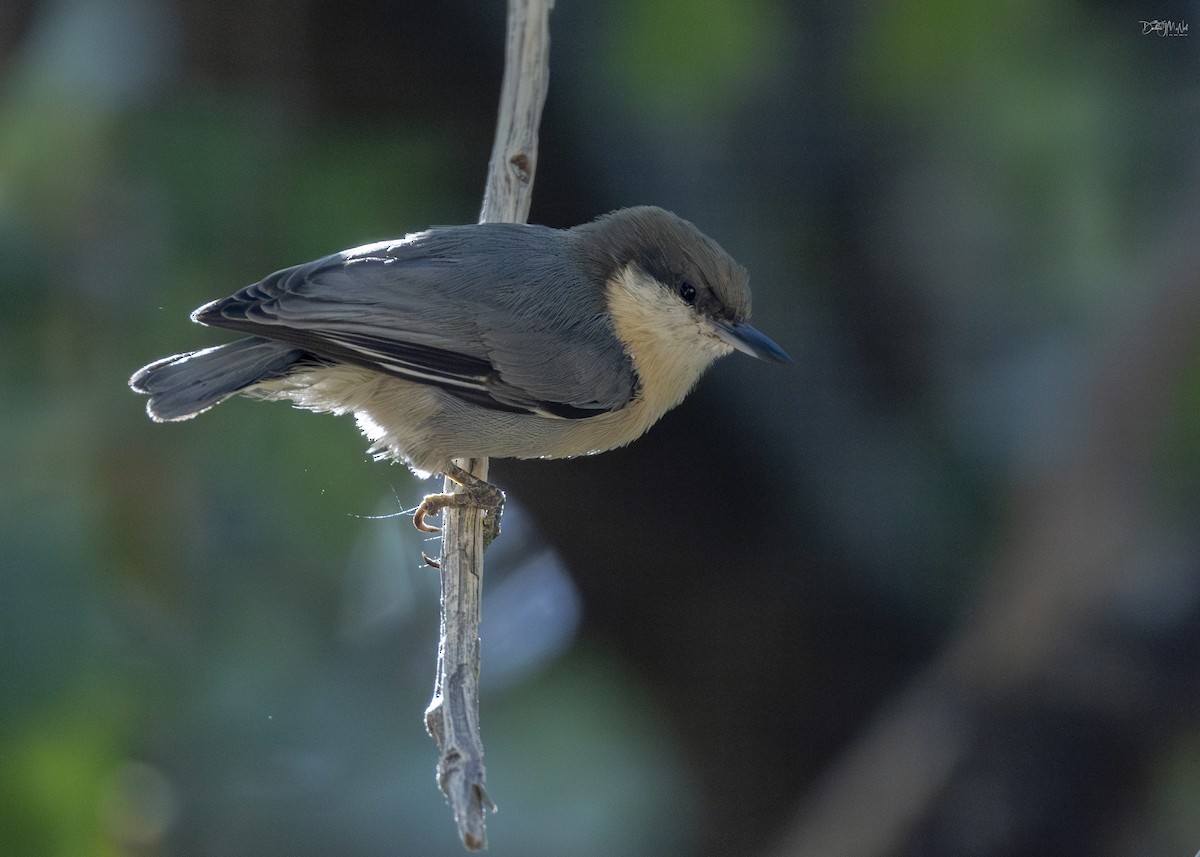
x=188 y=384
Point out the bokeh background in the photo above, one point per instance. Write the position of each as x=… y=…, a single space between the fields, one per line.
x=933 y=590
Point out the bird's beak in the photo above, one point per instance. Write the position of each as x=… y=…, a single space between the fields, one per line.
x=746 y=339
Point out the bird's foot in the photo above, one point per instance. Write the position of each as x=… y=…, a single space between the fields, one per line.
x=476 y=494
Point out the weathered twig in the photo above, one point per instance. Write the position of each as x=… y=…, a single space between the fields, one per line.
x=523 y=92
x=453 y=714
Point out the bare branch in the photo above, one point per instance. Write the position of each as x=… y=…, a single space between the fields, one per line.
x=523 y=92
x=453 y=714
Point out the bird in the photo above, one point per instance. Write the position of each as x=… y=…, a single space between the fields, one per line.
x=504 y=340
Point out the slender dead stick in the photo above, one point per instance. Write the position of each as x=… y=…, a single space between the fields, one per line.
x=452 y=717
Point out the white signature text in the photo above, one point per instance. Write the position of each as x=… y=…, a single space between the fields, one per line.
x=1164 y=28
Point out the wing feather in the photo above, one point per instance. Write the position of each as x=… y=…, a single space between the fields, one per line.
x=495 y=314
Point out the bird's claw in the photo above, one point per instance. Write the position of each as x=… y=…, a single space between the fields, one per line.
x=476 y=493
x=432 y=505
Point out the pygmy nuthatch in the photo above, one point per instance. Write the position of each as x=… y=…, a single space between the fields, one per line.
x=497 y=339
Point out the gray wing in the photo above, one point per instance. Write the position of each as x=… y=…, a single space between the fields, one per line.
x=494 y=314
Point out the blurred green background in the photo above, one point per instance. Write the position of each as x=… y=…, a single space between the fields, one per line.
x=934 y=590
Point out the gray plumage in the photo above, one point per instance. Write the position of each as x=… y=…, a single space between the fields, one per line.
x=188 y=384
x=504 y=340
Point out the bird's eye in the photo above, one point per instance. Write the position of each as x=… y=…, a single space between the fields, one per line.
x=687 y=292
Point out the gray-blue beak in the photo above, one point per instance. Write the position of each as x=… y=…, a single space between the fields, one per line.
x=747 y=340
